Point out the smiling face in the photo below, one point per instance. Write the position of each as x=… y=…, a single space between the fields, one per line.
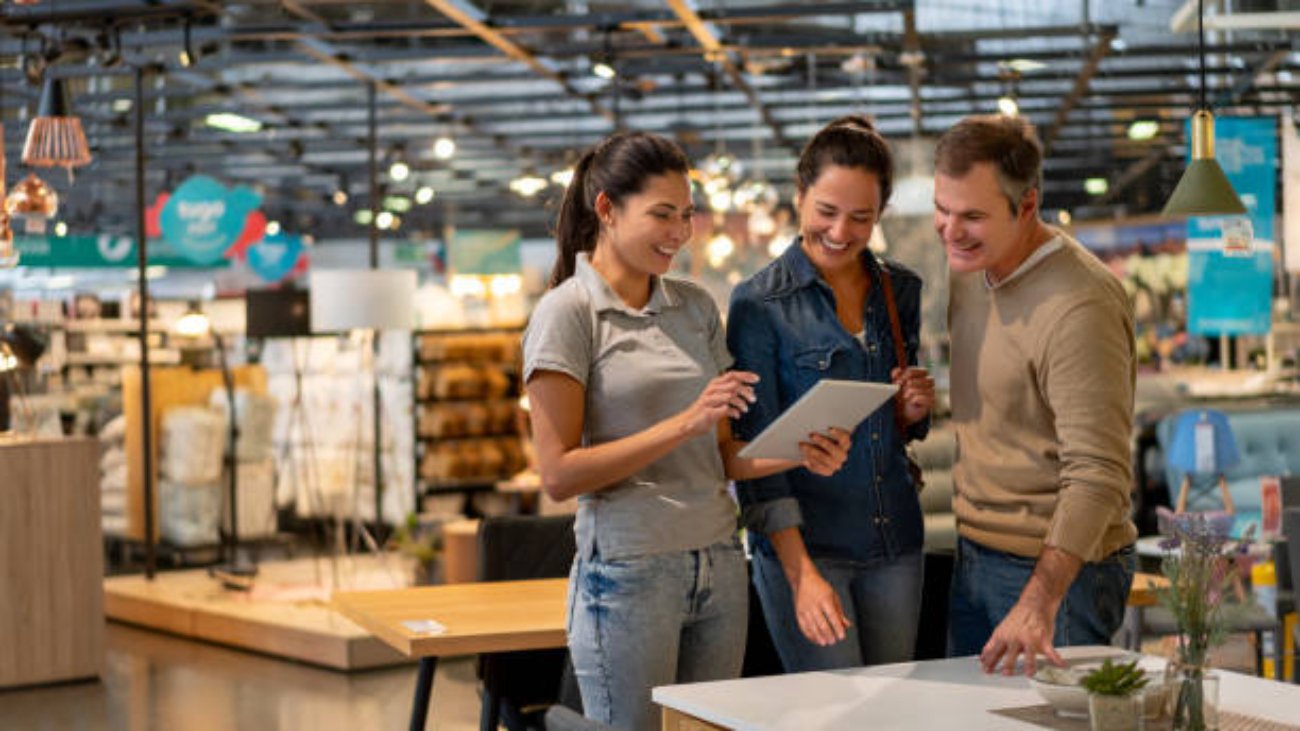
x=650 y=227
x=836 y=216
x=976 y=223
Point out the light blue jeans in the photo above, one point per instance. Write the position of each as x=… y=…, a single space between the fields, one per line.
x=654 y=620
x=882 y=600
x=986 y=584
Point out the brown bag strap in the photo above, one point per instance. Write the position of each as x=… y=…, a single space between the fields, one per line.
x=900 y=351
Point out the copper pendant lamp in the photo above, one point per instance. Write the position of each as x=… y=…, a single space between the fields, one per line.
x=33 y=200
x=8 y=254
x=55 y=137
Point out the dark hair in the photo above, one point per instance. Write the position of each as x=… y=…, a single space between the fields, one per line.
x=619 y=166
x=1010 y=143
x=850 y=142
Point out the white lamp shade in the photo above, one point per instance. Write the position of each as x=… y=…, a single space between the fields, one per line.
x=362 y=299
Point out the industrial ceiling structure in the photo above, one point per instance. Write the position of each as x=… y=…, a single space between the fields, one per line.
x=520 y=86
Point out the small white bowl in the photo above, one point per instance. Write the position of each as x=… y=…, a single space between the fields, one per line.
x=1060 y=688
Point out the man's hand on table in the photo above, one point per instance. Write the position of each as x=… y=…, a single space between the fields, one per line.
x=1026 y=630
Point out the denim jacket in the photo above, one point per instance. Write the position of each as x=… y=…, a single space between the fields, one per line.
x=782 y=326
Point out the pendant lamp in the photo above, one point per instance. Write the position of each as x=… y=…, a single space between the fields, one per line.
x=55 y=137
x=34 y=201
x=1203 y=190
x=8 y=254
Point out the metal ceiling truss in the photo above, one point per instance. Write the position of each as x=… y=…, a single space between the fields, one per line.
x=513 y=84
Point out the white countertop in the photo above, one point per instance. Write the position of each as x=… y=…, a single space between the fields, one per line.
x=937 y=694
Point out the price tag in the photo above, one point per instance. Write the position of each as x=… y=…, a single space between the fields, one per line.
x=1205 y=461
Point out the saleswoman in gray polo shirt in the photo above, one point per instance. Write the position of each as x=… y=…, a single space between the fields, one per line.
x=625 y=372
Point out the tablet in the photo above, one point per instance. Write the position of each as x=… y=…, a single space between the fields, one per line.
x=829 y=403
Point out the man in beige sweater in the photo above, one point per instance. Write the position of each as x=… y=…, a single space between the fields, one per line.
x=1042 y=398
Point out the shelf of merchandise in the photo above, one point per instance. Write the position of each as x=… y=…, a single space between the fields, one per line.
x=481 y=356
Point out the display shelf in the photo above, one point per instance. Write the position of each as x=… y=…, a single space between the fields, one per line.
x=466 y=404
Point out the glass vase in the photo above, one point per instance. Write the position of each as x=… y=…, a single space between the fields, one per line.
x=1193 y=697
x=1115 y=712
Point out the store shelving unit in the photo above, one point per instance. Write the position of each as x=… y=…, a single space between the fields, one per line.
x=466 y=406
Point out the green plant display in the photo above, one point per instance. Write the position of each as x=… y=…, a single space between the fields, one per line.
x=1115 y=679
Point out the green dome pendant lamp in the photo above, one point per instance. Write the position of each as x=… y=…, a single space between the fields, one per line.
x=1203 y=190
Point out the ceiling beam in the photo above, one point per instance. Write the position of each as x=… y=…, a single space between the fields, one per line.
x=1243 y=84
x=1134 y=172
x=1100 y=49
x=477 y=22
x=707 y=37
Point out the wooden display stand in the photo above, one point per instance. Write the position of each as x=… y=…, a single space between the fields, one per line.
x=169 y=387
x=51 y=561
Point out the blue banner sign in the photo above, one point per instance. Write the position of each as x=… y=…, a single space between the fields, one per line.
x=203 y=218
x=1230 y=259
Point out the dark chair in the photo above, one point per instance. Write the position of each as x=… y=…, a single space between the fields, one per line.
x=518 y=687
x=1291 y=531
x=563 y=718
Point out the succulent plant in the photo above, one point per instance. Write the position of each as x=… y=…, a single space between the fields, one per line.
x=1115 y=679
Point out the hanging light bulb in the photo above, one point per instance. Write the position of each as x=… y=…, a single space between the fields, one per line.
x=33 y=201
x=55 y=137
x=444 y=147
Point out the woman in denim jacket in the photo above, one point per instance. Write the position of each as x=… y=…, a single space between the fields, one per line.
x=624 y=369
x=837 y=560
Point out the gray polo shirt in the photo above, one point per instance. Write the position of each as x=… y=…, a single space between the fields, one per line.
x=639 y=368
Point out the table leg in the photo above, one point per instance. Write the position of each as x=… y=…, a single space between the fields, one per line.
x=423 y=688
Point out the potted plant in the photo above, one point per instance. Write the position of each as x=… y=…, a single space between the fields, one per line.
x=420 y=540
x=1114 y=699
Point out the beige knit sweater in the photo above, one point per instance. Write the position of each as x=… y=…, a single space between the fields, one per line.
x=1042 y=382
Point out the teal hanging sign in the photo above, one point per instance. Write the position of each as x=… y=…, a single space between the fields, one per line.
x=485 y=251
x=275 y=257
x=1230 y=259
x=202 y=218
x=97 y=252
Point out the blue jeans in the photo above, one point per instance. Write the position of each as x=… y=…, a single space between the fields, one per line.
x=654 y=620
x=882 y=600
x=986 y=584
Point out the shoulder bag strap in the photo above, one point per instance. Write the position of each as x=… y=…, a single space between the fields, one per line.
x=896 y=329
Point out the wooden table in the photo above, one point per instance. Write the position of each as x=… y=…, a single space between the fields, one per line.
x=502 y=616
x=934 y=694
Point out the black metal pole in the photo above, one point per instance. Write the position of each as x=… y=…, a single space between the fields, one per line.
x=232 y=457
x=142 y=266
x=374 y=338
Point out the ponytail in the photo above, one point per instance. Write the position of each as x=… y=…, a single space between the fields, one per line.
x=618 y=167
x=576 y=227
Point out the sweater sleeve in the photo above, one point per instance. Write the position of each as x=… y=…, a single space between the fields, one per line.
x=1087 y=377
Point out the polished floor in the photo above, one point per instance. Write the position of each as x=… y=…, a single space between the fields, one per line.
x=154 y=681
x=158 y=682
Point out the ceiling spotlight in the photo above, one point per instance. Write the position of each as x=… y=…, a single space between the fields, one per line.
x=1063 y=216
x=121 y=106
x=563 y=177
x=1096 y=186
x=399 y=171
x=272 y=228
x=528 y=185
x=228 y=122
x=604 y=70
x=60 y=229
x=1143 y=129
x=397 y=203
x=1025 y=65
x=384 y=220
x=444 y=147
x=340 y=197
x=1007 y=106
x=424 y=194
x=363 y=216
